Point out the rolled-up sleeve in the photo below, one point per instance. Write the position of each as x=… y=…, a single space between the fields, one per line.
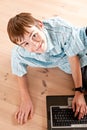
x=18 y=67
x=73 y=45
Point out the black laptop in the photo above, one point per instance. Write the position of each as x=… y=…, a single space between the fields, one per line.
x=60 y=115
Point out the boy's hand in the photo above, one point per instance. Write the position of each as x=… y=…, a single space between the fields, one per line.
x=25 y=111
x=79 y=105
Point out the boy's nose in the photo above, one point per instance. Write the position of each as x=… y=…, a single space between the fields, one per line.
x=36 y=44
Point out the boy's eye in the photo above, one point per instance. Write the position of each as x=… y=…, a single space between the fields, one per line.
x=35 y=35
x=26 y=43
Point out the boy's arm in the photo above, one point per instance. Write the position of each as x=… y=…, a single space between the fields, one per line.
x=78 y=104
x=26 y=108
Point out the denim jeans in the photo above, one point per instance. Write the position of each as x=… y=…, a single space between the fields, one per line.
x=84 y=76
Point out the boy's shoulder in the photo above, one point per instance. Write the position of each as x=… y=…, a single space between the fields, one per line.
x=57 y=21
x=18 y=51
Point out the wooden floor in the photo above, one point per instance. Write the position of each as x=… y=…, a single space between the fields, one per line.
x=42 y=81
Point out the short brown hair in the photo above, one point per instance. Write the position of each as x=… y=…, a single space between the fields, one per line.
x=16 y=27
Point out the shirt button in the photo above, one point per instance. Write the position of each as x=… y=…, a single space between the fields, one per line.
x=65 y=43
x=86 y=54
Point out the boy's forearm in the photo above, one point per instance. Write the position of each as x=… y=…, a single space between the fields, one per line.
x=23 y=87
x=25 y=110
x=76 y=71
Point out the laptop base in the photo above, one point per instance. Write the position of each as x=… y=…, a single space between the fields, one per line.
x=55 y=100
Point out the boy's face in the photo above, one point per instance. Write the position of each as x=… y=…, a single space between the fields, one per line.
x=34 y=41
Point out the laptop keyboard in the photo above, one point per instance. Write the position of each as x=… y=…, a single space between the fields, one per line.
x=65 y=117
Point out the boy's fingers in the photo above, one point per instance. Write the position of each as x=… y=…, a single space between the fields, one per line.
x=82 y=112
x=22 y=118
x=19 y=117
x=77 y=110
x=26 y=116
x=16 y=114
x=31 y=113
x=73 y=106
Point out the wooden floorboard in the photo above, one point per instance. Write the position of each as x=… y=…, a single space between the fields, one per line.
x=42 y=81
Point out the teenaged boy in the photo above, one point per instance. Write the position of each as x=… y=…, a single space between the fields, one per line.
x=51 y=43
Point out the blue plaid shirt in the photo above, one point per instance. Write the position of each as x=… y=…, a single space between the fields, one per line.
x=63 y=41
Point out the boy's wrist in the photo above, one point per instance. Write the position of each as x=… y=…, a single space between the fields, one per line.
x=25 y=96
x=80 y=89
x=78 y=93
